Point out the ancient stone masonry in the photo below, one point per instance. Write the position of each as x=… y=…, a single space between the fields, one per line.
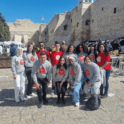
x=89 y=20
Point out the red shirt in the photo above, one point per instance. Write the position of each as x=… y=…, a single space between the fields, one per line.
x=40 y=51
x=102 y=58
x=55 y=56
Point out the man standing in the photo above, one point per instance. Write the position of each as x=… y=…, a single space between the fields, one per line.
x=42 y=49
x=55 y=55
x=41 y=74
x=64 y=47
x=1 y=50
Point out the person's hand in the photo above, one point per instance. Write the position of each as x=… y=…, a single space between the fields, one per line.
x=89 y=85
x=61 y=85
x=48 y=84
x=72 y=87
x=54 y=84
x=37 y=86
x=14 y=77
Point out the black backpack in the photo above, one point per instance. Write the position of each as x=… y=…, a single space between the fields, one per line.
x=91 y=103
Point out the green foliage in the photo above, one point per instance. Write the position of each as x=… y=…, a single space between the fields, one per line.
x=4 y=30
x=4 y=55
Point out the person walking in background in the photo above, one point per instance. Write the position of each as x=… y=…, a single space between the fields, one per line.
x=42 y=49
x=30 y=57
x=41 y=74
x=18 y=70
x=13 y=50
x=60 y=74
x=63 y=47
x=103 y=60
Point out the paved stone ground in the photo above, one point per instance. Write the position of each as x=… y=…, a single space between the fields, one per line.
x=110 y=111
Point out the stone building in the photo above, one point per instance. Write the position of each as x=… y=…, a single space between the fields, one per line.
x=89 y=20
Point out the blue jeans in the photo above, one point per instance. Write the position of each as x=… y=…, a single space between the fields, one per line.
x=76 y=92
x=107 y=84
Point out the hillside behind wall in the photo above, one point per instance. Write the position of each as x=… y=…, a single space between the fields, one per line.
x=104 y=23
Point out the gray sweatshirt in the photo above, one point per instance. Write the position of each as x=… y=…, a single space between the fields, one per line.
x=30 y=59
x=41 y=70
x=59 y=74
x=93 y=57
x=91 y=72
x=17 y=65
x=75 y=73
x=67 y=55
x=81 y=57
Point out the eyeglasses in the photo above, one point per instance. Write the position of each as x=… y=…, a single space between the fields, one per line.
x=41 y=45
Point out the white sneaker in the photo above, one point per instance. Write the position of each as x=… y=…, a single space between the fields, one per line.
x=52 y=92
x=33 y=94
x=28 y=97
x=77 y=104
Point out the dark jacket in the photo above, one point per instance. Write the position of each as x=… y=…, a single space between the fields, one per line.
x=13 y=51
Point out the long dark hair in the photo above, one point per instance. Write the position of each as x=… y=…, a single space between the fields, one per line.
x=59 y=65
x=95 y=51
x=83 y=46
x=69 y=48
x=28 y=49
x=105 y=49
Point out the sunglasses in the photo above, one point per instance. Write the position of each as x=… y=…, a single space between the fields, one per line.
x=41 y=45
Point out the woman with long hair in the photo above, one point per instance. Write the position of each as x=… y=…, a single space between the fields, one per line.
x=30 y=57
x=103 y=61
x=70 y=52
x=60 y=74
x=81 y=51
x=93 y=53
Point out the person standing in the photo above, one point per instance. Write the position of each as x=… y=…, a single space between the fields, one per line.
x=41 y=74
x=30 y=57
x=70 y=52
x=75 y=75
x=55 y=55
x=60 y=74
x=93 y=53
x=1 y=50
x=42 y=49
x=103 y=60
x=13 y=50
x=18 y=70
x=64 y=47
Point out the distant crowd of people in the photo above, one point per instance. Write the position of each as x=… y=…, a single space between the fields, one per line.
x=85 y=68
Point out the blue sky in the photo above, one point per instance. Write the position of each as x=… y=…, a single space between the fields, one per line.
x=34 y=9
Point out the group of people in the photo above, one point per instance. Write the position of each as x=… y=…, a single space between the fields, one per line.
x=79 y=67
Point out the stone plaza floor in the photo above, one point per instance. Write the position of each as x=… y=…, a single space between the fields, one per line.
x=111 y=110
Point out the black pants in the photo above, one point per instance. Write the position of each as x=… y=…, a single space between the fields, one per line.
x=61 y=90
x=42 y=82
x=30 y=83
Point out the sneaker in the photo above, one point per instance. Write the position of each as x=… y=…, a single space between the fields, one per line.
x=104 y=96
x=45 y=102
x=28 y=96
x=33 y=94
x=77 y=104
x=40 y=104
x=52 y=92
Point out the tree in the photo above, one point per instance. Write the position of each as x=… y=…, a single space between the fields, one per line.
x=4 y=29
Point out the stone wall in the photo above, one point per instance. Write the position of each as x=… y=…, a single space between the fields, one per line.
x=24 y=31
x=104 y=23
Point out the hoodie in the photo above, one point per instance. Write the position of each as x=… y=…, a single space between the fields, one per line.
x=75 y=73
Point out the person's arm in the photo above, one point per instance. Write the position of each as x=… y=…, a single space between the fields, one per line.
x=65 y=76
x=49 y=72
x=34 y=72
x=78 y=75
x=96 y=75
x=13 y=66
x=27 y=64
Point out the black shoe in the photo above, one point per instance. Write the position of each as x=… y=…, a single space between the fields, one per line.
x=104 y=96
x=58 y=102
x=63 y=102
x=101 y=95
x=45 y=102
x=40 y=104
